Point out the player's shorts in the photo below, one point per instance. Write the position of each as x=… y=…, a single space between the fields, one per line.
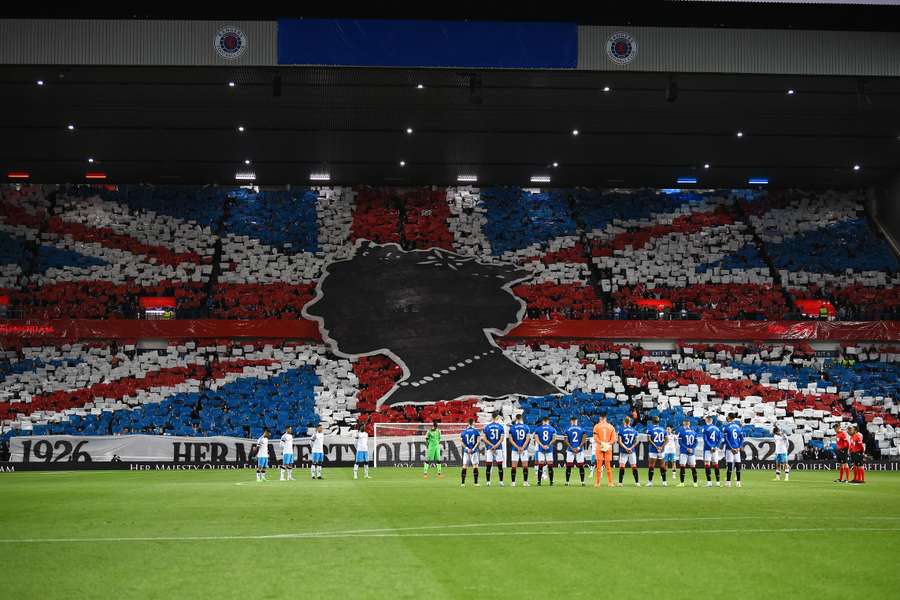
x=781 y=458
x=518 y=457
x=543 y=458
x=628 y=458
x=470 y=458
x=433 y=454
x=842 y=456
x=669 y=457
x=575 y=457
x=318 y=458
x=654 y=454
x=493 y=456
x=857 y=459
x=262 y=462
x=712 y=456
x=589 y=458
x=287 y=458
x=731 y=457
x=362 y=456
x=689 y=460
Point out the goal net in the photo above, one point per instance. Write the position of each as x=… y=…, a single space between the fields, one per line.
x=403 y=444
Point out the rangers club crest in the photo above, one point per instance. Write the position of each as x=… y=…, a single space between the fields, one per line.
x=621 y=48
x=230 y=42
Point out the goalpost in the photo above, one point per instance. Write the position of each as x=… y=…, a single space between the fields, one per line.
x=403 y=444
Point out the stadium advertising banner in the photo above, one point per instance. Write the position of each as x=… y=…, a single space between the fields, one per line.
x=133 y=451
x=79 y=451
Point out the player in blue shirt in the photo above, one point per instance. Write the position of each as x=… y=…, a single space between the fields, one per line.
x=712 y=442
x=520 y=440
x=545 y=436
x=493 y=448
x=734 y=443
x=574 y=438
x=656 y=443
x=687 y=447
x=471 y=439
x=628 y=440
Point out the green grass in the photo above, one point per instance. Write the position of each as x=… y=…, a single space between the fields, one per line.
x=397 y=536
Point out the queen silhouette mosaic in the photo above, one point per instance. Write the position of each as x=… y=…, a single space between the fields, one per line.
x=435 y=313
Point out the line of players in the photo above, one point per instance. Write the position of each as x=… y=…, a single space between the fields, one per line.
x=317 y=455
x=664 y=445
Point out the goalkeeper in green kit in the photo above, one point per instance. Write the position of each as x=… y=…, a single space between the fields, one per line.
x=433 y=449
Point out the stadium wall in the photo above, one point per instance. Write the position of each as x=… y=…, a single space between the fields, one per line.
x=749 y=51
x=886 y=212
x=132 y=43
x=472 y=45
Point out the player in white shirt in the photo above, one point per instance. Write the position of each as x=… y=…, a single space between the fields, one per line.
x=362 y=452
x=262 y=455
x=287 y=454
x=781 y=455
x=670 y=451
x=318 y=453
x=592 y=455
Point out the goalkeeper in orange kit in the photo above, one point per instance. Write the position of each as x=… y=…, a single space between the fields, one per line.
x=605 y=437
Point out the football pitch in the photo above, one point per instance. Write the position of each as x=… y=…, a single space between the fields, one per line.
x=208 y=534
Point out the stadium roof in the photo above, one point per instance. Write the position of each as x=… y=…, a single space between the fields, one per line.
x=179 y=124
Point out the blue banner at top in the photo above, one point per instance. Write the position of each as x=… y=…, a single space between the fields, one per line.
x=383 y=43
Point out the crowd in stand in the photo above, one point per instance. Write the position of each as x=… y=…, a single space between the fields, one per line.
x=233 y=253
x=229 y=388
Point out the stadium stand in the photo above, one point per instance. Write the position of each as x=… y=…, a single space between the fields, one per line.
x=238 y=254
x=229 y=388
x=824 y=247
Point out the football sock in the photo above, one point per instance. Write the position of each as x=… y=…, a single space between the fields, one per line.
x=540 y=471
x=525 y=473
x=512 y=473
x=634 y=473
x=366 y=468
x=650 y=474
x=319 y=470
x=440 y=469
x=681 y=470
x=862 y=474
x=716 y=467
x=708 y=473
x=737 y=471
x=475 y=472
x=355 y=469
x=662 y=473
x=500 y=473
x=487 y=471
x=581 y=473
x=621 y=474
x=568 y=472
x=728 y=469
x=596 y=476
x=463 y=475
x=426 y=468
x=550 y=473
x=312 y=471
x=694 y=473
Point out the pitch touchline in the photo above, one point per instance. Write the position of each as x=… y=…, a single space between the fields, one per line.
x=399 y=534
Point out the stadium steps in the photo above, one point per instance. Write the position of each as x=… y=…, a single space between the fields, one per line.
x=596 y=273
x=761 y=248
